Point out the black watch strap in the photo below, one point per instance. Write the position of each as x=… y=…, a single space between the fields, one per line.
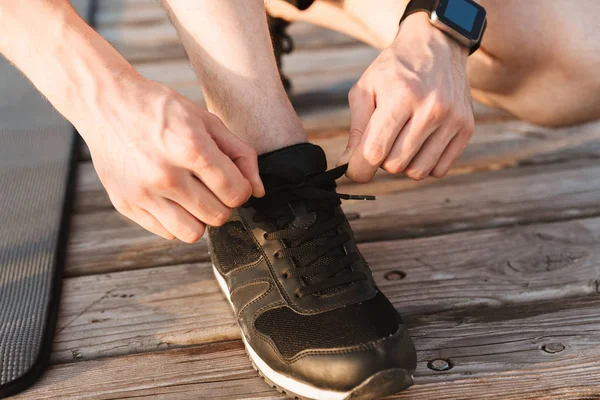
x=414 y=6
x=427 y=6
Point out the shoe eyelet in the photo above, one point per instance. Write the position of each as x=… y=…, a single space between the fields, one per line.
x=265 y=236
x=286 y=275
x=276 y=255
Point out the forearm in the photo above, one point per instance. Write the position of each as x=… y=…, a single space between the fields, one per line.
x=65 y=59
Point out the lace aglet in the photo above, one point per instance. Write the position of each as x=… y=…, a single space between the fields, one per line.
x=358 y=197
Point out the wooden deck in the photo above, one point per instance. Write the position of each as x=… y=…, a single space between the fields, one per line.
x=496 y=267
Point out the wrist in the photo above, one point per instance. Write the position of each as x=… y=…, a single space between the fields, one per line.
x=417 y=29
x=90 y=72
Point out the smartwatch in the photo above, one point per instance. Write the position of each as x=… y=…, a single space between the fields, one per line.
x=463 y=20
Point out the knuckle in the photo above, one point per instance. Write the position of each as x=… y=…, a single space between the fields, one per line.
x=239 y=195
x=355 y=94
x=416 y=174
x=192 y=153
x=162 y=180
x=375 y=152
x=192 y=236
x=139 y=196
x=197 y=158
x=394 y=167
x=121 y=205
x=355 y=134
x=439 y=173
x=406 y=91
x=469 y=127
x=250 y=152
x=439 y=109
x=221 y=217
x=465 y=134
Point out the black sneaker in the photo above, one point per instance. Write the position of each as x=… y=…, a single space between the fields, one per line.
x=313 y=321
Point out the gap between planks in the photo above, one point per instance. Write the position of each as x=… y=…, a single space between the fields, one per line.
x=450 y=281
x=104 y=241
x=493 y=358
x=494 y=146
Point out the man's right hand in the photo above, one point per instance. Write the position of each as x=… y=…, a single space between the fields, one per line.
x=167 y=163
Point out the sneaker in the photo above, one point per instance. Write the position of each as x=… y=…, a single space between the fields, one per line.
x=314 y=323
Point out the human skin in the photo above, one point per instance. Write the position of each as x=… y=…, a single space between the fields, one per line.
x=166 y=163
x=174 y=167
x=410 y=112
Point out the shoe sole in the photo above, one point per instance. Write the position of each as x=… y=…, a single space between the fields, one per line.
x=381 y=384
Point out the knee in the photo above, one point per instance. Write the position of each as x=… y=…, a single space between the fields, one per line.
x=550 y=91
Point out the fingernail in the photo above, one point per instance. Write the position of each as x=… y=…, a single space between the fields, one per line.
x=343 y=158
x=260 y=188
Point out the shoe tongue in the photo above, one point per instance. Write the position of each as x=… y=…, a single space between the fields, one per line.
x=291 y=164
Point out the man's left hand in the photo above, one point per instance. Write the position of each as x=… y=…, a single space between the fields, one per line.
x=411 y=110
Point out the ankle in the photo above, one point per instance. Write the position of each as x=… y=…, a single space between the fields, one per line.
x=269 y=128
x=279 y=138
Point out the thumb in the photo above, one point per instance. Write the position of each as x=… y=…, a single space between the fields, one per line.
x=353 y=141
x=362 y=107
x=242 y=155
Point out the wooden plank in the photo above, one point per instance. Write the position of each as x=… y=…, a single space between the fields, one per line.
x=207 y=373
x=150 y=37
x=494 y=351
x=104 y=241
x=493 y=146
x=498 y=271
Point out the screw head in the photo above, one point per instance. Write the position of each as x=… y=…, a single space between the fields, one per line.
x=553 y=348
x=395 y=275
x=439 y=364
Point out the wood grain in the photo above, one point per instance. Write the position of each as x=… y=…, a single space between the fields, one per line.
x=104 y=241
x=145 y=34
x=499 y=354
x=497 y=272
x=494 y=146
x=474 y=263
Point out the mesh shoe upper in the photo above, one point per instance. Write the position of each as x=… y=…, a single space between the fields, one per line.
x=298 y=284
x=349 y=326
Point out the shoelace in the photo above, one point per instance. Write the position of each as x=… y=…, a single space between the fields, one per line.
x=301 y=227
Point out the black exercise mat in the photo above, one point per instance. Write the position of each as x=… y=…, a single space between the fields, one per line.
x=36 y=175
x=34 y=182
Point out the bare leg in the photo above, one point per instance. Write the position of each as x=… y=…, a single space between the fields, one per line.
x=230 y=49
x=538 y=63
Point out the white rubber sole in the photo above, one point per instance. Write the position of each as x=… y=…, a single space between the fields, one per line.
x=284 y=382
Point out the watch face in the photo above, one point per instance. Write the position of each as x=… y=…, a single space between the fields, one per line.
x=464 y=16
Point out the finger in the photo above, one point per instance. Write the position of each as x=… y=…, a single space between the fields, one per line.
x=243 y=156
x=429 y=154
x=362 y=106
x=176 y=220
x=376 y=142
x=197 y=200
x=147 y=221
x=409 y=142
x=218 y=172
x=451 y=154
